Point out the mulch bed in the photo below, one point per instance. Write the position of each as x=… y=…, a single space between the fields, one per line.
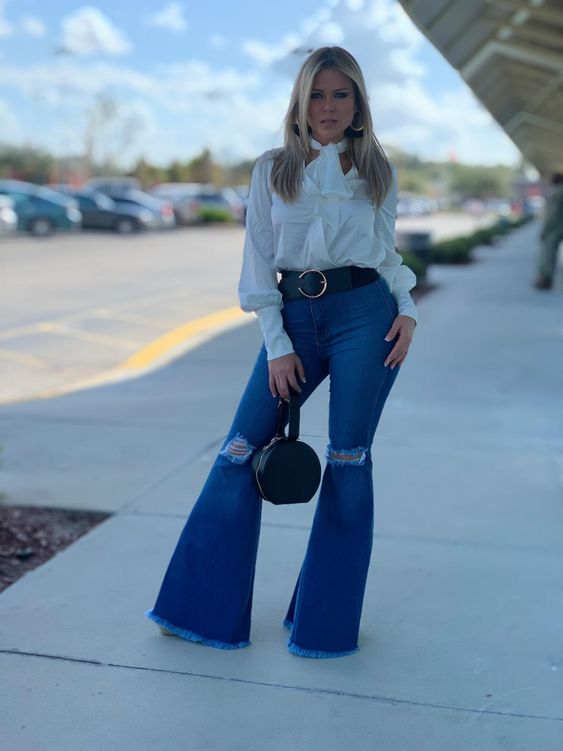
x=30 y=535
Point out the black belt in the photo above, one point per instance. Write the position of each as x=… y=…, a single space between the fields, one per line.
x=296 y=284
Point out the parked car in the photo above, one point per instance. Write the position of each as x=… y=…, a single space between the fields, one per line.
x=40 y=210
x=473 y=206
x=238 y=205
x=189 y=199
x=183 y=197
x=113 y=184
x=411 y=204
x=102 y=212
x=533 y=205
x=162 y=211
x=8 y=217
x=243 y=192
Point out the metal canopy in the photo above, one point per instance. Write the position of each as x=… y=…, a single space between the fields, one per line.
x=510 y=53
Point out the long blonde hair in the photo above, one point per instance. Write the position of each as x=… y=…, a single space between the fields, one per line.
x=365 y=152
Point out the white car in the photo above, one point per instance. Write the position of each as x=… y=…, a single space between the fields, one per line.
x=8 y=217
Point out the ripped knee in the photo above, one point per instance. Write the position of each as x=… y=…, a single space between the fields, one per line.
x=238 y=449
x=345 y=456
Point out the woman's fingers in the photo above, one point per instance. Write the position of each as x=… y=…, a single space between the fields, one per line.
x=301 y=371
x=398 y=353
x=396 y=356
x=285 y=373
x=403 y=327
x=272 y=385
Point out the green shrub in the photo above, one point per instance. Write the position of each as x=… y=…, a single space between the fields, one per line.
x=211 y=214
x=503 y=226
x=484 y=236
x=416 y=264
x=456 y=250
x=522 y=220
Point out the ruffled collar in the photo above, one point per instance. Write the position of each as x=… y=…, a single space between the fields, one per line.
x=340 y=146
x=323 y=176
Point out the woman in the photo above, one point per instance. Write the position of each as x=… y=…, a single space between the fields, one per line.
x=321 y=211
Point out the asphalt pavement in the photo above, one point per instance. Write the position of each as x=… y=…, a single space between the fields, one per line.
x=461 y=641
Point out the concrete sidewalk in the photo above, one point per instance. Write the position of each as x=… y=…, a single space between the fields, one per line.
x=461 y=644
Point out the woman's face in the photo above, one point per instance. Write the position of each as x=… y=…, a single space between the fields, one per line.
x=332 y=106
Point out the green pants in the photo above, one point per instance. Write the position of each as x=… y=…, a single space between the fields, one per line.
x=548 y=256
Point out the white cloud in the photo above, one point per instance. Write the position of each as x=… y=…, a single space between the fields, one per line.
x=171 y=17
x=434 y=126
x=176 y=110
x=407 y=112
x=33 y=26
x=187 y=106
x=6 y=28
x=331 y=33
x=266 y=54
x=90 y=32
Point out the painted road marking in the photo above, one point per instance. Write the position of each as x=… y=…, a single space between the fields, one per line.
x=158 y=352
x=112 y=341
x=159 y=347
x=27 y=360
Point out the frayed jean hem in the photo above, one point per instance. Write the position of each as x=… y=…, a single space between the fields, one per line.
x=312 y=652
x=192 y=636
x=296 y=650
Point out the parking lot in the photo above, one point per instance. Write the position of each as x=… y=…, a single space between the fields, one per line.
x=75 y=309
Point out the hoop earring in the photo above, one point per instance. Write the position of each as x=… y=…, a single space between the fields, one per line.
x=356 y=130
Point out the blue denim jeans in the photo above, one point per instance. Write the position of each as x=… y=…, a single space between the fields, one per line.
x=206 y=593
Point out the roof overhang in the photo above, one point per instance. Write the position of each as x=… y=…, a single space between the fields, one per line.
x=510 y=53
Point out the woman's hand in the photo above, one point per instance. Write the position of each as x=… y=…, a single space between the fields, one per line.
x=402 y=328
x=283 y=372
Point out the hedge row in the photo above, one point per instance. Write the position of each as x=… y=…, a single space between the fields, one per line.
x=214 y=214
x=458 y=249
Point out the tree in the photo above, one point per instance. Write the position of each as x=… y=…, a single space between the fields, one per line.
x=26 y=163
x=470 y=181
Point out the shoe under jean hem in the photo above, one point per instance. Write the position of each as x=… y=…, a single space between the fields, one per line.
x=192 y=636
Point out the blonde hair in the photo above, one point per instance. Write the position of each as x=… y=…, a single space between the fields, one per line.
x=365 y=152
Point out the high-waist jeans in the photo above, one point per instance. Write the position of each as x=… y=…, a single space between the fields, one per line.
x=206 y=593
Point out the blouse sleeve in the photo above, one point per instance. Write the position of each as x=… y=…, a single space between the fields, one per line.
x=399 y=277
x=258 y=283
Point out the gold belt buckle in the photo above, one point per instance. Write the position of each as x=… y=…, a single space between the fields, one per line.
x=324 y=282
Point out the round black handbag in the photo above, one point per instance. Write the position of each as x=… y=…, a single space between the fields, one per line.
x=287 y=470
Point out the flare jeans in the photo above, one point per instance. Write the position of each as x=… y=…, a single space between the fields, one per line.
x=206 y=592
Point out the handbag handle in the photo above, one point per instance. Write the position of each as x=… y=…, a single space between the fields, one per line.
x=293 y=431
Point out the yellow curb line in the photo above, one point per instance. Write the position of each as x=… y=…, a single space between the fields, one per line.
x=156 y=349
x=156 y=353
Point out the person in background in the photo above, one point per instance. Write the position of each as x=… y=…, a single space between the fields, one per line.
x=551 y=235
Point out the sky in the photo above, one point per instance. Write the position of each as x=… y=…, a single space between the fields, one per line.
x=176 y=77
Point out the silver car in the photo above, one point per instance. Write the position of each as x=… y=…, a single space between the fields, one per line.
x=188 y=199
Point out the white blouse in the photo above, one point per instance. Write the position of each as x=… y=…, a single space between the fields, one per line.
x=333 y=223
